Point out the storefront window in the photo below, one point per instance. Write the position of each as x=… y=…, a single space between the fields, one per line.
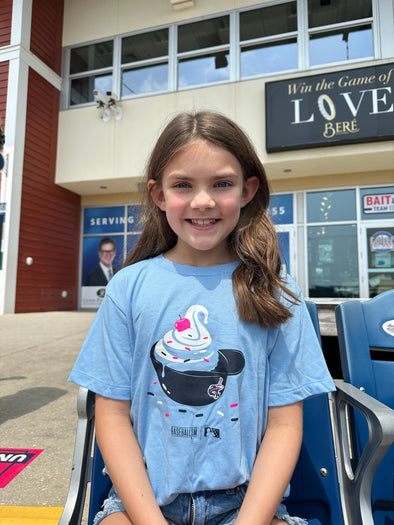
x=377 y=214
x=281 y=213
x=330 y=206
x=333 y=261
x=109 y=233
x=332 y=248
x=380 y=259
x=377 y=203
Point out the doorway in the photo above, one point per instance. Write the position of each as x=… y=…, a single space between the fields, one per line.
x=378 y=263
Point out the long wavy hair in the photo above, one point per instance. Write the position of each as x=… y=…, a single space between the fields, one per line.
x=257 y=280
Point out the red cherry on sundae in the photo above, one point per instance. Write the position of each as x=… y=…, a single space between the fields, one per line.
x=182 y=324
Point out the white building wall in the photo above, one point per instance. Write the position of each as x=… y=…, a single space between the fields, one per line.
x=95 y=19
x=113 y=154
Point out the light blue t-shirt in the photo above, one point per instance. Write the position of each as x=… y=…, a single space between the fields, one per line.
x=200 y=380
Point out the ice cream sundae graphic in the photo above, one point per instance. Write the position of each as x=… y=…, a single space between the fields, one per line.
x=190 y=370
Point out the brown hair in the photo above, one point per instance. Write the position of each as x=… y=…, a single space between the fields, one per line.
x=257 y=280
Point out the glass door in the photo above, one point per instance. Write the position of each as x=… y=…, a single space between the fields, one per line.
x=379 y=263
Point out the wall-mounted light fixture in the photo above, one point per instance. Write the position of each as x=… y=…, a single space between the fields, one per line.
x=107 y=104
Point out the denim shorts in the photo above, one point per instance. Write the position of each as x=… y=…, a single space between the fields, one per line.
x=216 y=507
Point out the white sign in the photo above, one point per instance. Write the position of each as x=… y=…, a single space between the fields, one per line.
x=92 y=296
x=382 y=203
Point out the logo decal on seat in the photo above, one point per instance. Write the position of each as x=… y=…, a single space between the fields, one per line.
x=388 y=327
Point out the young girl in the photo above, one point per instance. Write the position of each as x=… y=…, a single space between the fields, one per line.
x=202 y=351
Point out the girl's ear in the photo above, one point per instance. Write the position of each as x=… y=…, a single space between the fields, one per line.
x=249 y=190
x=157 y=194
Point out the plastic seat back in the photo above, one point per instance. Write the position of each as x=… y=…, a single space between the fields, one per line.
x=314 y=486
x=366 y=343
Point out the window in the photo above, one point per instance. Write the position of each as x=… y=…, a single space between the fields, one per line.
x=203 y=52
x=243 y=43
x=144 y=59
x=339 y=30
x=331 y=206
x=90 y=68
x=333 y=261
x=377 y=204
x=266 y=44
x=332 y=247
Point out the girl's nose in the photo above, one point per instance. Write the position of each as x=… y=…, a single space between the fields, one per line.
x=202 y=199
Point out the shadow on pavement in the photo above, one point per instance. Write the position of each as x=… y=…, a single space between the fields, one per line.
x=26 y=401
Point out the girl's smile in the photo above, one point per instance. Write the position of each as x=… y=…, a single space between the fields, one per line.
x=202 y=192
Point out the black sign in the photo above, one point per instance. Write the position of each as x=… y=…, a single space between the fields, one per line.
x=335 y=108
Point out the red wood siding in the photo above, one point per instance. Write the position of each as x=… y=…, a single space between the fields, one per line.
x=5 y=22
x=50 y=215
x=3 y=90
x=3 y=95
x=46 y=32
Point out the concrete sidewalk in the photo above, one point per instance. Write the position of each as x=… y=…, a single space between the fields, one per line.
x=37 y=404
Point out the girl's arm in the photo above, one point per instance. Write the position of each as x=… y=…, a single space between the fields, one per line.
x=274 y=465
x=123 y=459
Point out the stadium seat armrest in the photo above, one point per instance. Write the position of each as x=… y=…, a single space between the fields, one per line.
x=356 y=483
x=82 y=460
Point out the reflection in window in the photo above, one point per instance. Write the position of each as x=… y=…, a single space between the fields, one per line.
x=203 y=69
x=263 y=40
x=340 y=45
x=201 y=35
x=145 y=46
x=149 y=79
x=326 y=206
x=260 y=52
x=323 y=13
x=94 y=56
x=269 y=58
x=82 y=88
x=268 y=21
x=333 y=261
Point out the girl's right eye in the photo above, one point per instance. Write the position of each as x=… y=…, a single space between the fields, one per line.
x=181 y=185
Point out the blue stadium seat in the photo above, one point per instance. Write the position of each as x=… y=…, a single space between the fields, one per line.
x=366 y=343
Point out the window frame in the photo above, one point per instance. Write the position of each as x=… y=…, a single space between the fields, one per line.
x=234 y=49
x=88 y=73
x=206 y=51
x=137 y=64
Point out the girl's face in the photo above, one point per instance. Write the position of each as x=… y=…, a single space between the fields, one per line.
x=202 y=193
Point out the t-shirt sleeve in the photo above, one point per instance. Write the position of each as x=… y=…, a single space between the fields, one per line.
x=105 y=359
x=297 y=366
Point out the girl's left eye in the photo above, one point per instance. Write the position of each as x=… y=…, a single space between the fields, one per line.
x=223 y=184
